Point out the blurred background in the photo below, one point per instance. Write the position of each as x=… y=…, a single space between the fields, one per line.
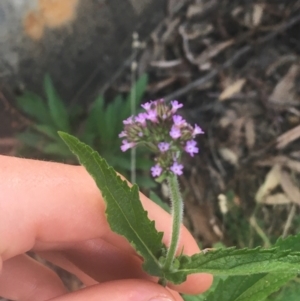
x=78 y=66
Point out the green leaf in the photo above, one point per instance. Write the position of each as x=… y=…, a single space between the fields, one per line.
x=249 y=287
x=231 y=261
x=202 y=297
x=290 y=243
x=95 y=120
x=29 y=138
x=111 y=130
x=34 y=106
x=57 y=108
x=289 y=292
x=138 y=90
x=56 y=149
x=144 y=181
x=124 y=210
x=46 y=130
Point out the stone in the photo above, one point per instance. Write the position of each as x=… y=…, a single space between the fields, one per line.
x=70 y=39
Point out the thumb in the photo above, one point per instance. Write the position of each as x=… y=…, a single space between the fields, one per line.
x=122 y=290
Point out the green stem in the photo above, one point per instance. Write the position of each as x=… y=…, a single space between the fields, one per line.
x=177 y=213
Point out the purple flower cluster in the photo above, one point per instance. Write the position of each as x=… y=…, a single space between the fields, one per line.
x=164 y=132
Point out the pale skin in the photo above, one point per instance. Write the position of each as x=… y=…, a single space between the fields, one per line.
x=57 y=211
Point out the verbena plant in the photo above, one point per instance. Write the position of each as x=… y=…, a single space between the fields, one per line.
x=99 y=127
x=240 y=274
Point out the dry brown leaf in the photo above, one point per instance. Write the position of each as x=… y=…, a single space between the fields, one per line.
x=272 y=181
x=236 y=133
x=284 y=92
x=282 y=160
x=258 y=10
x=212 y=51
x=292 y=164
x=195 y=9
x=166 y=64
x=277 y=199
x=228 y=119
x=223 y=204
x=295 y=154
x=232 y=89
x=200 y=8
x=162 y=84
x=288 y=186
x=279 y=61
x=199 y=30
x=250 y=133
x=288 y=137
x=229 y=156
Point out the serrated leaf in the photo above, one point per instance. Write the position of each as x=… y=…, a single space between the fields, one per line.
x=124 y=210
x=56 y=106
x=231 y=261
x=203 y=296
x=289 y=292
x=254 y=287
x=290 y=243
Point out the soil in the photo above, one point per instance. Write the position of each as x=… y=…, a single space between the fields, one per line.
x=235 y=66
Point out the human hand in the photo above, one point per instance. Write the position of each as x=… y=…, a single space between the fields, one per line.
x=56 y=210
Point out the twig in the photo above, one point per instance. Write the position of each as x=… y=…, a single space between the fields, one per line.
x=133 y=105
x=214 y=154
x=244 y=50
x=289 y=221
x=260 y=232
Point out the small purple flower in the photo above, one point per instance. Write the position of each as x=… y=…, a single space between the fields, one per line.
x=141 y=118
x=129 y=120
x=175 y=132
x=178 y=120
x=127 y=145
x=191 y=147
x=197 y=130
x=163 y=146
x=176 y=105
x=156 y=170
x=147 y=105
x=177 y=169
x=152 y=115
x=122 y=134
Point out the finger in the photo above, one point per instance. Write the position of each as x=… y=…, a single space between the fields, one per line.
x=59 y=259
x=122 y=290
x=99 y=260
x=23 y=278
x=95 y=256
x=195 y=284
x=55 y=203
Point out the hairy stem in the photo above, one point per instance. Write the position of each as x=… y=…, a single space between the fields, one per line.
x=177 y=213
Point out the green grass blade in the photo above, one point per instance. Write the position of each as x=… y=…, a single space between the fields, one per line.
x=58 y=111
